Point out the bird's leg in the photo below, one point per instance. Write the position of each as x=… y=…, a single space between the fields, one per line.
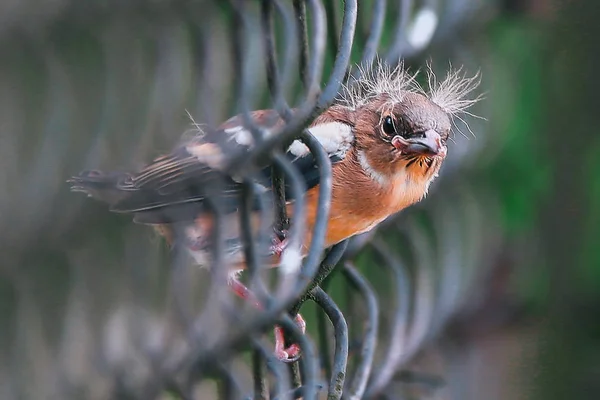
x=283 y=353
x=244 y=293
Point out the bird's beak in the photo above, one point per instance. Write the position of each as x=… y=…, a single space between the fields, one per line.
x=430 y=143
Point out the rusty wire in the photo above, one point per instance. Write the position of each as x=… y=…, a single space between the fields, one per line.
x=179 y=347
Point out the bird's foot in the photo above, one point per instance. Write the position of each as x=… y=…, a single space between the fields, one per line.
x=291 y=353
x=286 y=354
x=279 y=242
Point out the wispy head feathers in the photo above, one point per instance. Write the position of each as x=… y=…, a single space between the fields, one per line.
x=451 y=94
x=376 y=80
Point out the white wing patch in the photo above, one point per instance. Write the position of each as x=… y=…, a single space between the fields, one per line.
x=335 y=137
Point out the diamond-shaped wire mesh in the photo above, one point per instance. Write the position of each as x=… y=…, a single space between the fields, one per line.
x=100 y=308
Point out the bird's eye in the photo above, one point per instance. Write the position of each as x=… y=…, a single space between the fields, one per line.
x=388 y=126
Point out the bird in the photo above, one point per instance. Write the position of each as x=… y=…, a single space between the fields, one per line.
x=386 y=137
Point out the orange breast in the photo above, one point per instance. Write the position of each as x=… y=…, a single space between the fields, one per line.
x=345 y=219
x=343 y=228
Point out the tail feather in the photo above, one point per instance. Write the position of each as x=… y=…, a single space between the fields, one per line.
x=100 y=185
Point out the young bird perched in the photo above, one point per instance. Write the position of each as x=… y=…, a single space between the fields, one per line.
x=386 y=137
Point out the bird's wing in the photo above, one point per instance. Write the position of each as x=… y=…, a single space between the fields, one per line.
x=174 y=187
x=336 y=139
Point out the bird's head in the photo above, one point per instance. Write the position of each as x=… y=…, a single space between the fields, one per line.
x=400 y=128
x=402 y=137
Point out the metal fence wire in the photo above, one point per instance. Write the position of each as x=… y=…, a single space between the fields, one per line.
x=102 y=309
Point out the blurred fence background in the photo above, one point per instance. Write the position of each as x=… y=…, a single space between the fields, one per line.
x=488 y=289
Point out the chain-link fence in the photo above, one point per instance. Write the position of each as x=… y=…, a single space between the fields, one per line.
x=100 y=308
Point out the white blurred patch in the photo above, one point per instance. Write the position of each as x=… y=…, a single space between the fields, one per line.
x=207 y=153
x=291 y=260
x=240 y=135
x=422 y=28
x=298 y=149
x=117 y=346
